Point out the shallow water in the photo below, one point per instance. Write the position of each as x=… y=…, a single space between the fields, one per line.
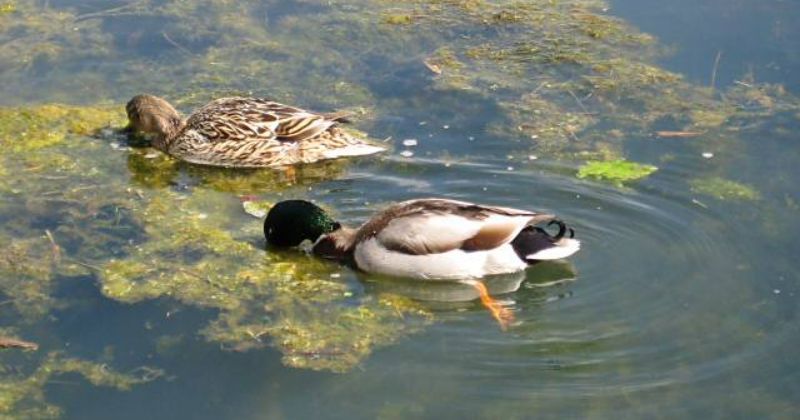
x=681 y=303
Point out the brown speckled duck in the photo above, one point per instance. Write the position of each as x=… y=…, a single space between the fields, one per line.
x=244 y=133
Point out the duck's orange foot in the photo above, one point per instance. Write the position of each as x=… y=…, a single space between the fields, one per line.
x=289 y=174
x=503 y=315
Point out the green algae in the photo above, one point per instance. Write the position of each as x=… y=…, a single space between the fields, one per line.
x=616 y=171
x=22 y=395
x=26 y=275
x=150 y=242
x=598 y=70
x=29 y=129
x=398 y=19
x=724 y=189
x=561 y=78
x=32 y=34
x=189 y=258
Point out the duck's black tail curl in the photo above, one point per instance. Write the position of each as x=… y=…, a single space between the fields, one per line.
x=532 y=241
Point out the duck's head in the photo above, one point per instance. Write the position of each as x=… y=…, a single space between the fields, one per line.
x=153 y=115
x=291 y=222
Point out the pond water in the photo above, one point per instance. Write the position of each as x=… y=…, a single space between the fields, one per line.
x=149 y=291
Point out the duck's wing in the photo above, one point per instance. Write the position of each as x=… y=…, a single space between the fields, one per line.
x=239 y=119
x=430 y=226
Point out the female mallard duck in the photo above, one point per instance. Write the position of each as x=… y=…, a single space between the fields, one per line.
x=429 y=239
x=244 y=133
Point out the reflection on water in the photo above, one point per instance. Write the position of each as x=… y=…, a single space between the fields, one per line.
x=120 y=261
x=444 y=294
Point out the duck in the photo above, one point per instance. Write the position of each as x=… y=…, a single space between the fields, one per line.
x=429 y=239
x=243 y=132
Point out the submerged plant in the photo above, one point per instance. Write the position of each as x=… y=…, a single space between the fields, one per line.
x=22 y=395
x=723 y=189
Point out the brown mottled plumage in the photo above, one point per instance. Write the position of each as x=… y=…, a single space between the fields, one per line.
x=244 y=132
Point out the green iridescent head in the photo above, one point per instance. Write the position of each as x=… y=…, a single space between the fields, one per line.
x=291 y=222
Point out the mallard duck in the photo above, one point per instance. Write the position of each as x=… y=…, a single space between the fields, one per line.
x=244 y=132
x=428 y=239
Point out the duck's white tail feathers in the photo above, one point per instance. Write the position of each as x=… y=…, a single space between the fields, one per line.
x=562 y=248
x=360 y=149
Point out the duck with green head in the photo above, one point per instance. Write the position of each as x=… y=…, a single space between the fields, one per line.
x=245 y=132
x=428 y=239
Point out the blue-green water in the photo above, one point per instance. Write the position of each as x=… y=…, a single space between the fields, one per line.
x=681 y=303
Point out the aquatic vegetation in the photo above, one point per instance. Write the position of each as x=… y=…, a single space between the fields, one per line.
x=26 y=274
x=32 y=128
x=562 y=79
x=723 y=189
x=398 y=19
x=80 y=202
x=147 y=245
x=22 y=395
x=190 y=259
x=616 y=171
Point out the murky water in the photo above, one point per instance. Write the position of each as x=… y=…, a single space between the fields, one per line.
x=682 y=302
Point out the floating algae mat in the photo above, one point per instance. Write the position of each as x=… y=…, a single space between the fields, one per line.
x=80 y=199
x=617 y=171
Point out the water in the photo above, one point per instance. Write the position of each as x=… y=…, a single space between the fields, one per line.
x=682 y=302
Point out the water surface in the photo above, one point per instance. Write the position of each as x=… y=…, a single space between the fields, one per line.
x=681 y=303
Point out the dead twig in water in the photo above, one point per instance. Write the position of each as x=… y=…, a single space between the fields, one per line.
x=87 y=265
x=125 y=9
x=580 y=104
x=434 y=68
x=176 y=45
x=13 y=343
x=678 y=133
x=714 y=69
x=56 y=248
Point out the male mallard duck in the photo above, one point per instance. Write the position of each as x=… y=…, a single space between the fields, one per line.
x=428 y=239
x=244 y=132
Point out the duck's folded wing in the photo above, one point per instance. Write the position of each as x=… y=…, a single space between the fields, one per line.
x=238 y=119
x=234 y=119
x=468 y=227
x=296 y=124
x=300 y=127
